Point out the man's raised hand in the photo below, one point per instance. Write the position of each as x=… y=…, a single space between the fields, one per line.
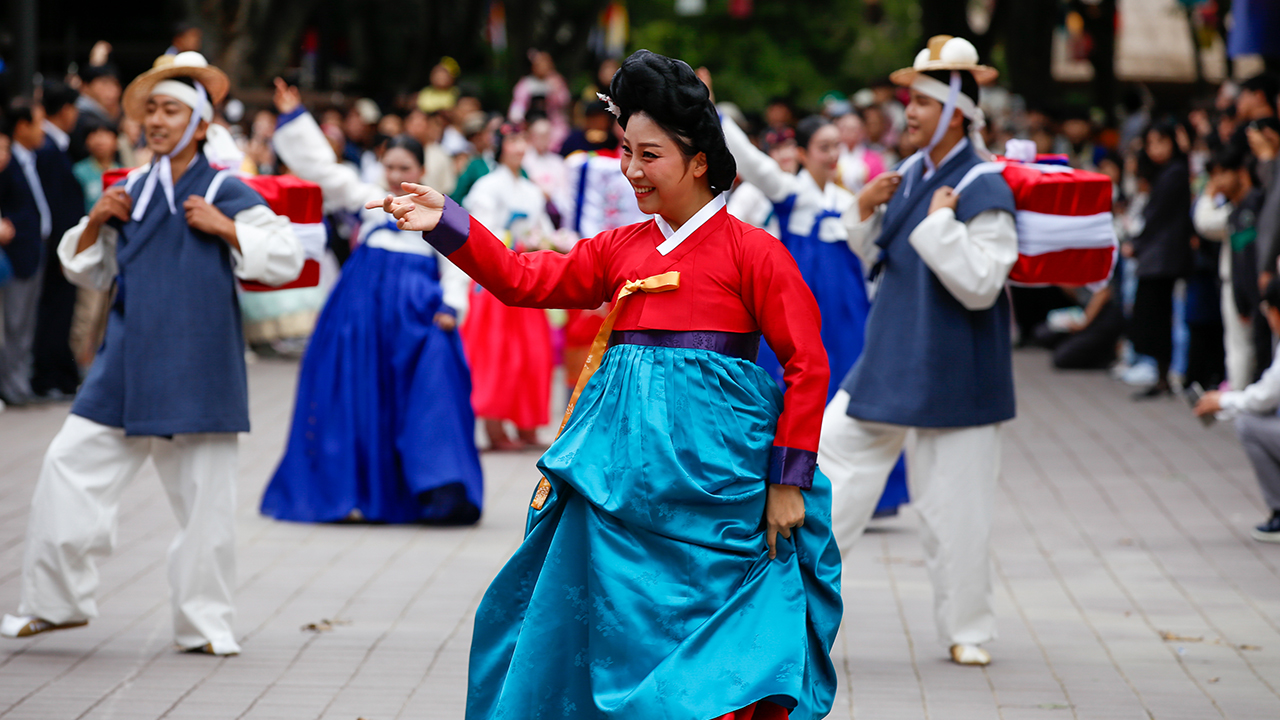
x=419 y=210
x=114 y=203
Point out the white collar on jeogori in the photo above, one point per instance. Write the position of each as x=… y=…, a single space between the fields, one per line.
x=675 y=237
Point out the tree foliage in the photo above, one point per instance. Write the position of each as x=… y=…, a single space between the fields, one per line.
x=798 y=49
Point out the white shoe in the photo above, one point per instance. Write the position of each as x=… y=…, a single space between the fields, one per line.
x=970 y=655
x=20 y=626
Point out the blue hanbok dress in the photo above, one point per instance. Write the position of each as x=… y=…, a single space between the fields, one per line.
x=643 y=588
x=383 y=428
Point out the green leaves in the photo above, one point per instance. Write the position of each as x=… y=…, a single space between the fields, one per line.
x=799 y=49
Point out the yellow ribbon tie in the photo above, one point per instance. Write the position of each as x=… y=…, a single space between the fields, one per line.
x=665 y=282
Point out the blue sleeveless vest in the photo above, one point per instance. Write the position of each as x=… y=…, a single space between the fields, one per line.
x=928 y=361
x=173 y=358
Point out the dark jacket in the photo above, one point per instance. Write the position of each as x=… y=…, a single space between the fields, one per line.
x=1163 y=248
x=61 y=189
x=18 y=205
x=1242 y=233
x=1269 y=216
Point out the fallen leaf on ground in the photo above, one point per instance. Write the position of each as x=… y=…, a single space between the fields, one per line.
x=324 y=625
x=1169 y=636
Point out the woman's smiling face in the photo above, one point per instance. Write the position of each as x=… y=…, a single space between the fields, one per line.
x=659 y=172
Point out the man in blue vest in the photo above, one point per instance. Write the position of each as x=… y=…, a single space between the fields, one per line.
x=169 y=383
x=937 y=361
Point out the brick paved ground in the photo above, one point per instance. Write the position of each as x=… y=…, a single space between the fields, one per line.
x=1127 y=587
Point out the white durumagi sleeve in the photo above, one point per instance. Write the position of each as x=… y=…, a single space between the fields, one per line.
x=757 y=167
x=270 y=252
x=863 y=235
x=304 y=148
x=95 y=268
x=973 y=259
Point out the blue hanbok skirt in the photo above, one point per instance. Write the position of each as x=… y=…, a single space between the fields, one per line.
x=643 y=588
x=382 y=424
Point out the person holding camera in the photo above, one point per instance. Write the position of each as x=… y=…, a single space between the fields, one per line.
x=1257 y=422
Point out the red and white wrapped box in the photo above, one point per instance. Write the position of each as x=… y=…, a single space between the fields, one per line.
x=301 y=201
x=1065 y=230
x=292 y=197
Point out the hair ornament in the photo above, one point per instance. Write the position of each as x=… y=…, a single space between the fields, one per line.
x=612 y=108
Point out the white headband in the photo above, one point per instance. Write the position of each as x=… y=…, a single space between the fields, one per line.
x=939 y=91
x=952 y=99
x=162 y=168
x=186 y=95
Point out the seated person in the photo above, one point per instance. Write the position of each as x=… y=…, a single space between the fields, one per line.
x=1084 y=336
x=1257 y=423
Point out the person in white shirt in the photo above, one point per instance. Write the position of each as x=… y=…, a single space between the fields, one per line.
x=1257 y=422
x=545 y=168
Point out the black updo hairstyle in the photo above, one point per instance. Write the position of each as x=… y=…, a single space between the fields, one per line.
x=809 y=127
x=406 y=142
x=670 y=94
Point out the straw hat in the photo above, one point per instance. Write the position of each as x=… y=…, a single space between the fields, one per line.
x=183 y=65
x=946 y=53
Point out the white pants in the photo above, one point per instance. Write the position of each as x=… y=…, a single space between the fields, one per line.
x=1237 y=338
x=73 y=522
x=953 y=483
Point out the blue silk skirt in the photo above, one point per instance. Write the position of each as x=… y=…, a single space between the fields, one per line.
x=643 y=588
x=382 y=423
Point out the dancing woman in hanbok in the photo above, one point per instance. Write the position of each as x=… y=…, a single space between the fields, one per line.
x=810 y=207
x=382 y=426
x=510 y=349
x=664 y=572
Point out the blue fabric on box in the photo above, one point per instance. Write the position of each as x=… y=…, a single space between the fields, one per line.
x=383 y=421
x=643 y=588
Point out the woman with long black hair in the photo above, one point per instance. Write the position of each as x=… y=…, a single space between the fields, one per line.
x=1162 y=251
x=664 y=572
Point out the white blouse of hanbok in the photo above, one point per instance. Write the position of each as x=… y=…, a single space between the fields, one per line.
x=303 y=147
x=512 y=208
x=757 y=168
x=748 y=204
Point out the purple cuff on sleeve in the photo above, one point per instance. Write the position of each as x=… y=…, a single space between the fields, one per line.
x=452 y=230
x=789 y=466
x=286 y=118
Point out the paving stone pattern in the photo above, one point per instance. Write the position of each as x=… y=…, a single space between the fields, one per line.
x=1127 y=587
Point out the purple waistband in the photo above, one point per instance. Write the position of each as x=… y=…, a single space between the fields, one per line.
x=744 y=346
